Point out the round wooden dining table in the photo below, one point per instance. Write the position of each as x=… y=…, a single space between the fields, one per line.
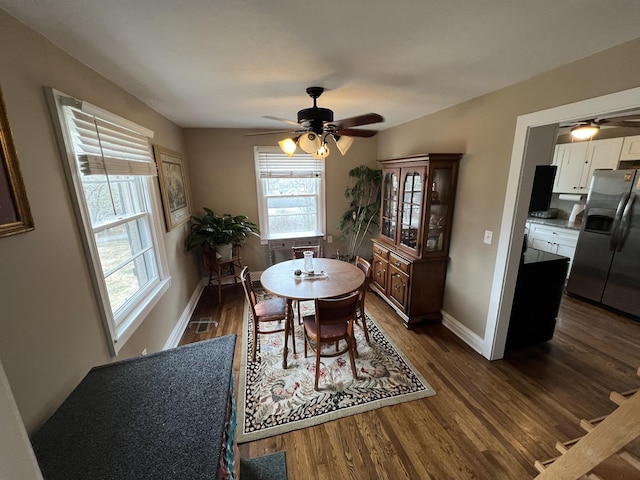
x=331 y=278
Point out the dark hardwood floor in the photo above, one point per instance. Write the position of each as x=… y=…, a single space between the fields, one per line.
x=488 y=420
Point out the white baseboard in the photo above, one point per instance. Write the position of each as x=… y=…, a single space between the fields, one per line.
x=467 y=336
x=178 y=330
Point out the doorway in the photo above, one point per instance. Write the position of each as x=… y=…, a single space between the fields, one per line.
x=516 y=204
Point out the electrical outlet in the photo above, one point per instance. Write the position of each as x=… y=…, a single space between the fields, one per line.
x=488 y=237
x=329 y=238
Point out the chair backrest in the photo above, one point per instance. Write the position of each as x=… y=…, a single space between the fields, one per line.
x=365 y=266
x=249 y=292
x=298 y=252
x=331 y=311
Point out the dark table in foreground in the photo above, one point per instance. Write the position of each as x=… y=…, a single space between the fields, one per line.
x=167 y=415
x=537 y=297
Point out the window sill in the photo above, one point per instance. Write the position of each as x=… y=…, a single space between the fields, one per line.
x=138 y=314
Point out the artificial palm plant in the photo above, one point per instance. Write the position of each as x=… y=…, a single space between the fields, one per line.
x=364 y=208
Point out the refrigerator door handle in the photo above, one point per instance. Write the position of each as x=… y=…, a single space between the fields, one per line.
x=613 y=241
x=624 y=222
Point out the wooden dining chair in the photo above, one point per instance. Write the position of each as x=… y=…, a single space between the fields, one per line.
x=270 y=310
x=298 y=252
x=365 y=266
x=331 y=322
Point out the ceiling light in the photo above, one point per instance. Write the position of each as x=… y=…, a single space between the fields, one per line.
x=309 y=142
x=585 y=131
x=322 y=152
x=288 y=146
x=343 y=143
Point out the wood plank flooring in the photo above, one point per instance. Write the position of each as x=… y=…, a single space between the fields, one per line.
x=488 y=420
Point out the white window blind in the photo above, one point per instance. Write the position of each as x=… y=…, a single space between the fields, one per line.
x=273 y=164
x=104 y=148
x=291 y=194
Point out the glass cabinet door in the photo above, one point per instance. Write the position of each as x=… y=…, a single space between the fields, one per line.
x=411 y=208
x=439 y=212
x=389 y=204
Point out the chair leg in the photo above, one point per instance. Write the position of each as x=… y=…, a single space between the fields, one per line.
x=292 y=331
x=305 y=344
x=352 y=357
x=363 y=318
x=255 y=340
x=317 y=366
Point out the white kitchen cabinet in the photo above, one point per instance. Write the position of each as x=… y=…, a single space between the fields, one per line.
x=577 y=161
x=630 y=148
x=548 y=238
x=570 y=160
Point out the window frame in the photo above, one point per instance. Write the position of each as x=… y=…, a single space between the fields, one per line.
x=117 y=329
x=263 y=216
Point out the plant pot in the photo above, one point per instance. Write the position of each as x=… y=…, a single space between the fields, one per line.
x=224 y=251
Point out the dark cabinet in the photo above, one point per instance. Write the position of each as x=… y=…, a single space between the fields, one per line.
x=410 y=255
x=536 y=300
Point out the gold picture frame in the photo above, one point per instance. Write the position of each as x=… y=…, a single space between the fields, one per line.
x=173 y=187
x=15 y=215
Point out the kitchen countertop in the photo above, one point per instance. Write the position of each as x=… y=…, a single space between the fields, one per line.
x=556 y=222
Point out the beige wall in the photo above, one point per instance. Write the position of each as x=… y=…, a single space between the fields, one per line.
x=483 y=129
x=50 y=330
x=223 y=179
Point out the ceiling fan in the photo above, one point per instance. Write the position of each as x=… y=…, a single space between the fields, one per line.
x=315 y=124
x=585 y=129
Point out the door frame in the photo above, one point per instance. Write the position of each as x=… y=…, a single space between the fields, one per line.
x=517 y=200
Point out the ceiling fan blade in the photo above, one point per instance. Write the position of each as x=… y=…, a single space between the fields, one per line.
x=290 y=122
x=621 y=123
x=354 y=132
x=365 y=119
x=621 y=118
x=271 y=132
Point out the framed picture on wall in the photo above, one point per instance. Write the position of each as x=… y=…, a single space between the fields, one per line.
x=173 y=187
x=15 y=215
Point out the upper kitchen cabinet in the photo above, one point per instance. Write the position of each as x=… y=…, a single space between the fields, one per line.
x=630 y=148
x=577 y=161
x=411 y=254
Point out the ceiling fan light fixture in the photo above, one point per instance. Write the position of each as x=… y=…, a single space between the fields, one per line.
x=323 y=151
x=288 y=146
x=584 y=132
x=310 y=142
x=343 y=143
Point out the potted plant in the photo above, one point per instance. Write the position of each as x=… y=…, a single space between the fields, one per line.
x=364 y=208
x=219 y=232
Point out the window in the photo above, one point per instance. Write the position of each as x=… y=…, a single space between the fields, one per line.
x=110 y=168
x=290 y=194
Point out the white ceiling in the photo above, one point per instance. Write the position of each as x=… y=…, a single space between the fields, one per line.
x=226 y=63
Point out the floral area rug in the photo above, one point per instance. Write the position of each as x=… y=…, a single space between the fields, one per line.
x=273 y=400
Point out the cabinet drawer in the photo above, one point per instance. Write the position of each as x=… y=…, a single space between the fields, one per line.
x=399 y=263
x=564 y=236
x=380 y=251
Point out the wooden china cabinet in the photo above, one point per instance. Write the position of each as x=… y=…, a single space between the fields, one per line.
x=411 y=254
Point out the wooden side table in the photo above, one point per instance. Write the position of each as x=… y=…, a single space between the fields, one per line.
x=222 y=269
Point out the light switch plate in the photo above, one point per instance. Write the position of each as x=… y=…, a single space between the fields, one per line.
x=488 y=237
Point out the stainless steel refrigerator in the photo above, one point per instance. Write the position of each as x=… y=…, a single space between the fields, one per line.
x=606 y=265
